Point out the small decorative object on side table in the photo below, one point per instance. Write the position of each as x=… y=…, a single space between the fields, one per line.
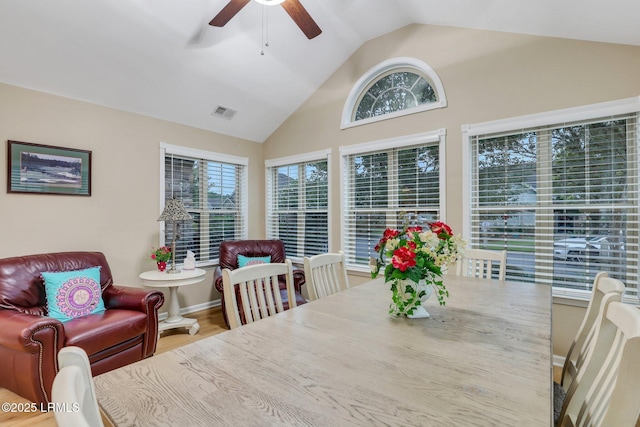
x=190 y=261
x=160 y=279
x=161 y=256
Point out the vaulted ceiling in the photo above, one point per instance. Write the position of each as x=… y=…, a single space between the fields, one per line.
x=160 y=58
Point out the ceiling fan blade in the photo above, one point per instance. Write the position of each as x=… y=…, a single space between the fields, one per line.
x=228 y=12
x=301 y=17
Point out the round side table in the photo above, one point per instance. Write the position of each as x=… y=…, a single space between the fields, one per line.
x=162 y=279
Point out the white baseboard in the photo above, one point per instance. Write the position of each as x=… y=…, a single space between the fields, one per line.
x=558 y=360
x=193 y=308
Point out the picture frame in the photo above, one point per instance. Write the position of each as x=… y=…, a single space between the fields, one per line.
x=46 y=169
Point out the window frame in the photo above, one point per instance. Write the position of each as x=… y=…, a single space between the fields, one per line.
x=210 y=156
x=547 y=119
x=381 y=70
x=298 y=160
x=434 y=137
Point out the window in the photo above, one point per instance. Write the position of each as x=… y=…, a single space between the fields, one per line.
x=382 y=180
x=560 y=196
x=297 y=203
x=396 y=91
x=393 y=88
x=213 y=188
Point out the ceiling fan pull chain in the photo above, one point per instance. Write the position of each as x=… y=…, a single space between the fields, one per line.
x=265 y=29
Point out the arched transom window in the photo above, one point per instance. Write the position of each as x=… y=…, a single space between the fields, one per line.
x=393 y=88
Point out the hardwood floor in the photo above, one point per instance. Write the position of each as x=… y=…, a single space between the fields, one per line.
x=211 y=323
x=557 y=373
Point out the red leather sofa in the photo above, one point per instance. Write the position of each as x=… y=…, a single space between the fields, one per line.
x=127 y=331
x=229 y=251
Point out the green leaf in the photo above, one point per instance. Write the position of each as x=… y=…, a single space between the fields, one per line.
x=414 y=274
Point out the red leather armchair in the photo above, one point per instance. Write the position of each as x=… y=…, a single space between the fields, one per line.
x=127 y=331
x=229 y=251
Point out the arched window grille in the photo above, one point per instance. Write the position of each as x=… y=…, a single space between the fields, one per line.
x=393 y=88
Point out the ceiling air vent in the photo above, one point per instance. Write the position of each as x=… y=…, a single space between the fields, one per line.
x=224 y=112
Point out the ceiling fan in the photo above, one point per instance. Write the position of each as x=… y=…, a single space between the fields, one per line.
x=294 y=8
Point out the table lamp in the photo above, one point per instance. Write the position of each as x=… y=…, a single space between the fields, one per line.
x=175 y=212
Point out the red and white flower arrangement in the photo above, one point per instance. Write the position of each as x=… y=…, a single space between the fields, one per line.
x=416 y=254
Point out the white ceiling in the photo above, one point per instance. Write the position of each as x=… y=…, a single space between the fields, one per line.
x=160 y=58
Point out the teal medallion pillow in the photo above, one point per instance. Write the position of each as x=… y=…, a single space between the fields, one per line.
x=244 y=261
x=73 y=294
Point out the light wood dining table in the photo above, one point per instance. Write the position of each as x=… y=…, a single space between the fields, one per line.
x=484 y=359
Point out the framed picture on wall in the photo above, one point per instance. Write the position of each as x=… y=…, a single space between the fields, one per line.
x=45 y=169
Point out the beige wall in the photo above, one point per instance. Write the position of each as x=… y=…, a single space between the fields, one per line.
x=119 y=218
x=486 y=76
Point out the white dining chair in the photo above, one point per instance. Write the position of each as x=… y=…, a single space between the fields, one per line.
x=605 y=291
x=73 y=393
x=603 y=286
x=480 y=262
x=253 y=292
x=605 y=391
x=325 y=274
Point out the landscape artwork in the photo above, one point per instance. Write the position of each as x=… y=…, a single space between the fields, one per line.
x=45 y=169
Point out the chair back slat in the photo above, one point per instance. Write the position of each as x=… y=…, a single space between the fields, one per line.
x=480 y=262
x=605 y=391
x=258 y=290
x=604 y=288
x=600 y=396
x=73 y=387
x=326 y=274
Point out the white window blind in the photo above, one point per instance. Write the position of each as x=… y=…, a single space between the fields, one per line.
x=297 y=205
x=381 y=185
x=213 y=192
x=562 y=199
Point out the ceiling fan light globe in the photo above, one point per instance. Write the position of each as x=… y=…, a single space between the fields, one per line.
x=270 y=2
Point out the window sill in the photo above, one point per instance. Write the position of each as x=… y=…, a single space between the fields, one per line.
x=579 y=298
x=359 y=273
x=574 y=302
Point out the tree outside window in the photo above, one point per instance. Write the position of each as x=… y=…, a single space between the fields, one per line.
x=560 y=200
